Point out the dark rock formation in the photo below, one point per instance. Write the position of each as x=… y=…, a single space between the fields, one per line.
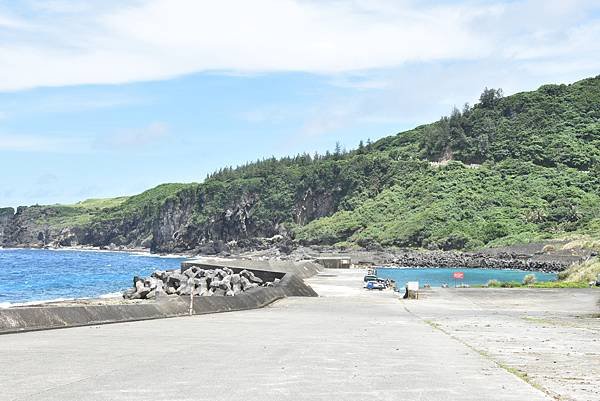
x=314 y=204
x=170 y=230
x=6 y=217
x=161 y=228
x=26 y=227
x=480 y=260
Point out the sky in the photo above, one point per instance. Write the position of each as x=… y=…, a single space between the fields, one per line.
x=107 y=98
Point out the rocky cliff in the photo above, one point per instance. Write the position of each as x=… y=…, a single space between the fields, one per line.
x=190 y=218
x=6 y=216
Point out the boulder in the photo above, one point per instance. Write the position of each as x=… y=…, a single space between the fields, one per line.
x=250 y=276
x=175 y=280
x=196 y=281
x=218 y=292
x=236 y=284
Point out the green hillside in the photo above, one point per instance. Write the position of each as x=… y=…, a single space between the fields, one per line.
x=523 y=167
x=457 y=207
x=506 y=170
x=537 y=176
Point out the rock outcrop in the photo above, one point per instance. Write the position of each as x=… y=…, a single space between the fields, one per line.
x=479 y=260
x=6 y=217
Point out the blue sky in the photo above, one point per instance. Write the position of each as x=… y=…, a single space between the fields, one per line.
x=110 y=98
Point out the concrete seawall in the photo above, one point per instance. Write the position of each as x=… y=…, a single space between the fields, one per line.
x=303 y=269
x=20 y=319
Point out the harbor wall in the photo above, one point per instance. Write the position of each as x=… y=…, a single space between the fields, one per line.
x=21 y=319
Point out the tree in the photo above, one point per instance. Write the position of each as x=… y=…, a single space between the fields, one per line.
x=338 y=150
x=490 y=97
x=361 y=148
x=458 y=139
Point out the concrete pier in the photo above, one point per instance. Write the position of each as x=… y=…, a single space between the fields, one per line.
x=348 y=344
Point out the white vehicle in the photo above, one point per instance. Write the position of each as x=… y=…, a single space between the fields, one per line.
x=374 y=285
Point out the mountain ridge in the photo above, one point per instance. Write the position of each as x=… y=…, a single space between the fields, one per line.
x=506 y=170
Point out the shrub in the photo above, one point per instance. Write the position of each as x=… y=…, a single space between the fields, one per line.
x=582 y=272
x=529 y=279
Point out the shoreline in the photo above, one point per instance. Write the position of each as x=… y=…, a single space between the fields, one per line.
x=100 y=299
x=530 y=256
x=83 y=248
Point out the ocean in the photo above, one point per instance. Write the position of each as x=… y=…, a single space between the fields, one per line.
x=28 y=275
x=472 y=276
x=33 y=275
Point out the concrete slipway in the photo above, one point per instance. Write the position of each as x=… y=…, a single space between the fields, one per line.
x=346 y=345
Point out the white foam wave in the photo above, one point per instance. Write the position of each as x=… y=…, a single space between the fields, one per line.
x=112 y=295
x=6 y=305
x=132 y=252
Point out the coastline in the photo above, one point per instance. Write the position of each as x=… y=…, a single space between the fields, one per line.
x=519 y=257
x=86 y=248
x=524 y=258
x=546 y=256
x=108 y=298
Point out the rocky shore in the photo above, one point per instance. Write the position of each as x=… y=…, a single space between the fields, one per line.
x=476 y=260
x=532 y=257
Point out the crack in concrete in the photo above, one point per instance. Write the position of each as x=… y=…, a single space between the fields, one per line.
x=511 y=370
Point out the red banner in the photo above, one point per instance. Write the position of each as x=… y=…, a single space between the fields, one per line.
x=458 y=275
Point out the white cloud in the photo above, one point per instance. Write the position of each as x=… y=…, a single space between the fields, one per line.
x=47 y=179
x=12 y=22
x=39 y=143
x=76 y=42
x=156 y=39
x=66 y=102
x=55 y=143
x=136 y=137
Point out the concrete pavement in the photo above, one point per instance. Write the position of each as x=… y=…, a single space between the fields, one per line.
x=347 y=345
x=550 y=337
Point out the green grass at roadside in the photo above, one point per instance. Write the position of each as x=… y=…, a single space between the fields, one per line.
x=582 y=272
x=545 y=284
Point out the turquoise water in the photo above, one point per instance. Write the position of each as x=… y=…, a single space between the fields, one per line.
x=437 y=277
x=39 y=274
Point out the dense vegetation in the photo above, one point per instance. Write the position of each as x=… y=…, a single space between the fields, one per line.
x=530 y=169
x=458 y=207
x=508 y=169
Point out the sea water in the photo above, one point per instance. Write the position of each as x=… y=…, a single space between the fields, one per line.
x=39 y=275
x=472 y=276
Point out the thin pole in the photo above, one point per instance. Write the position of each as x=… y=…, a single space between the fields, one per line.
x=191 y=285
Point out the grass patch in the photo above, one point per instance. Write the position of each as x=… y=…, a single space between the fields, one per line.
x=75 y=215
x=560 y=284
x=100 y=203
x=582 y=272
x=544 y=284
x=433 y=324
